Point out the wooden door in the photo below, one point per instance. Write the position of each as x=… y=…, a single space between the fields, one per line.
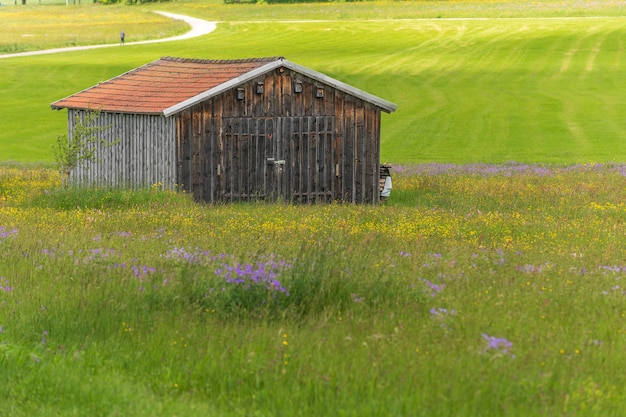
x=311 y=158
x=242 y=157
x=283 y=158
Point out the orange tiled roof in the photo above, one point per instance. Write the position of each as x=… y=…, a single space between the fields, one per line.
x=159 y=85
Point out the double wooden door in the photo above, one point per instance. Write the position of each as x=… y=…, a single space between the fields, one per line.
x=279 y=158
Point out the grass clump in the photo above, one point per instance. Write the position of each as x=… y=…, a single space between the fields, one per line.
x=61 y=198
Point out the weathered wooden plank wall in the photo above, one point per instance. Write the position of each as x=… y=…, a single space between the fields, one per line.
x=280 y=136
x=142 y=153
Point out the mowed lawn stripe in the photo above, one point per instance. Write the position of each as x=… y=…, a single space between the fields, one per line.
x=473 y=90
x=501 y=94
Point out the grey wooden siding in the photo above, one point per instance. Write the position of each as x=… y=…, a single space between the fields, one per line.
x=280 y=144
x=145 y=152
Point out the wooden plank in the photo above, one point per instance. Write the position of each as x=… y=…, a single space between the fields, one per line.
x=308 y=95
x=373 y=162
x=253 y=156
x=307 y=188
x=133 y=151
x=276 y=152
x=360 y=144
x=287 y=135
x=229 y=164
x=244 y=168
x=236 y=168
x=179 y=151
x=152 y=163
x=226 y=159
x=287 y=95
x=144 y=154
x=125 y=160
x=169 y=137
x=298 y=155
x=327 y=154
x=205 y=156
x=349 y=155
x=210 y=153
x=271 y=96
x=218 y=150
x=339 y=150
x=246 y=143
x=195 y=152
x=283 y=125
x=268 y=152
x=185 y=148
x=241 y=172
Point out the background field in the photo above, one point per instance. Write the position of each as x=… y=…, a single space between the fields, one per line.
x=535 y=82
x=31 y=28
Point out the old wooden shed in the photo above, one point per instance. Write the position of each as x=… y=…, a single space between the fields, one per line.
x=233 y=130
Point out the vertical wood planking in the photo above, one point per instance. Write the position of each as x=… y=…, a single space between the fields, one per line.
x=219 y=149
x=137 y=151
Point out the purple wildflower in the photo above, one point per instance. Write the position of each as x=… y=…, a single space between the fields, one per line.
x=356 y=298
x=195 y=256
x=5 y=233
x=141 y=271
x=498 y=343
x=4 y=285
x=534 y=269
x=441 y=312
x=262 y=274
x=435 y=288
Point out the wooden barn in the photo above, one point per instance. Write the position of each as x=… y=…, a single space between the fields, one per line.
x=234 y=130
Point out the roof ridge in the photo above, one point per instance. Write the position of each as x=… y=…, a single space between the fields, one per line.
x=222 y=61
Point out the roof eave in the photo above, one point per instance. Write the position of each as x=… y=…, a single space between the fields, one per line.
x=117 y=111
x=385 y=105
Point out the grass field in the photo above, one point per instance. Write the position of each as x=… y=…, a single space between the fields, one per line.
x=536 y=82
x=478 y=290
x=32 y=28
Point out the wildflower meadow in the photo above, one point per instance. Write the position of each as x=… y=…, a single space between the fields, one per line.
x=475 y=290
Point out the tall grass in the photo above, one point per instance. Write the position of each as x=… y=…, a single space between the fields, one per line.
x=474 y=290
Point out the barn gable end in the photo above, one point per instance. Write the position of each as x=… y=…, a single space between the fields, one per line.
x=248 y=129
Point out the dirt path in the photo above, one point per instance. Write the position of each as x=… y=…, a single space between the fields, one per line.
x=199 y=27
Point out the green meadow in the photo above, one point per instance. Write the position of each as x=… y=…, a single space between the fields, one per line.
x=476 y=290
x=490 y=283
x=531 y=82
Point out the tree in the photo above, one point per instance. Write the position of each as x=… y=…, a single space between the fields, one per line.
x=81 y=146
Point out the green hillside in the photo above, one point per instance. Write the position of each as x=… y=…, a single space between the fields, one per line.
x=526 y=84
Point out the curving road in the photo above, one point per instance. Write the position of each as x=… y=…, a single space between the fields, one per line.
x=199 y=27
